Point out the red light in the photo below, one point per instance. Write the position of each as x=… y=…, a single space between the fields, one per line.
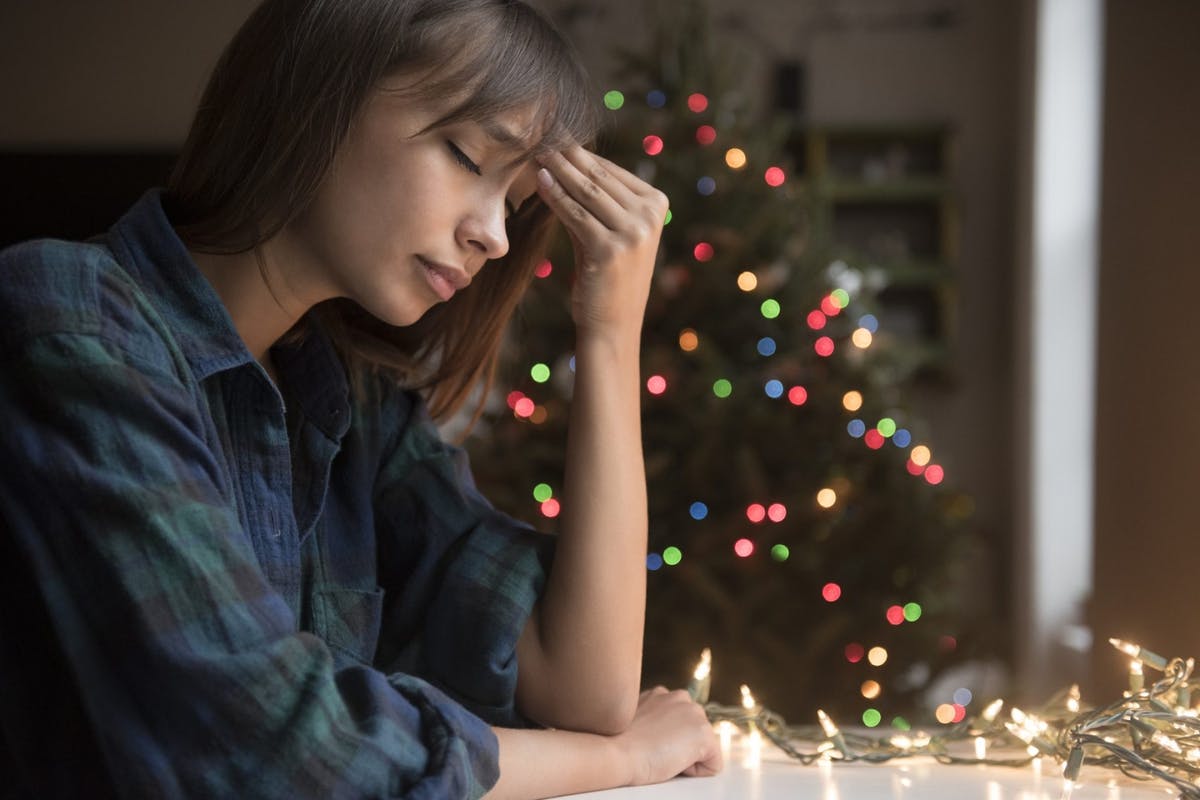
x=697 y=102
x=829 y=308
x=816 y=320
x=874 y=439
x=544 y=269
x=755 y=512
x=914 y=468
x=550 y=508
x=797 y=395
x=744 y=548
x=895 y=615
x=513 y=397
x=855 y=652
x=706 y=134
x=831 y=592
x=703 y=251
x=960 y=712
x=653 y=145
x=777 y=512
x=824 y=346
x=774 y=176
x=524 y=407
x=948 y=643
x=934 y=474
x=657 y=384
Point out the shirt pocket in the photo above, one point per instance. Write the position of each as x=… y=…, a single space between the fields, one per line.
x=348 y=620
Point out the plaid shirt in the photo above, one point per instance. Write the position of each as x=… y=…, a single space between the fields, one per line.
x=213 y=589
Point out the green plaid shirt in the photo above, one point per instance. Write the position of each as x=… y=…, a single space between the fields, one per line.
x=211 y=588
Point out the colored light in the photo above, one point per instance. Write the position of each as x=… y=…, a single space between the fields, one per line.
x=571 y=364
x=657 y=384
x=550 y=508
x=828 y=308
x=735 y=158
x=824 y=346
x=912 y=612
x=944 y=714
x=886 y=427
x=831 y=592
x=654 y=562
x=755 y=512
x=816 y=320
x=773 y=388
x=913 y=467
x=854 y=652
x=947 y=644
x=797 y=395
x=539 y=372
x=856 y=428
x=672 y=556
x=901 y=724
x=852 y=401
x=920 y=455
x=780 y=552
x=774 y=176
x=840 y=297
x=826 y=498
x=869 y=322
x=656 y=98
x=895 y=615
x=697 y=102
x=542 y=492
x=543 y=269
x=871 y=718
x=613 y=100
x=963 y=696
x=703 y=251
x=874 y=439
x=870 y=689
x=934 y=474
x=960 y=713
x=747 y=281
x=766 y=346
x=770 y=308
x=722 y=388
x=669 y=217
x=513 y=397
x=688 y=340
x=777 y=512
x=698 y=510
x=901 y=438
x=877 y=656
x=706 y=186
x=744 y=548
x=706 y=135
x=652 y=145
x=523 y=408
x=539 y=415
x=861 y=338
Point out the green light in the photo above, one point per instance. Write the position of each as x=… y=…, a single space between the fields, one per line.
x=672 y=556
x=780 y=552
x=912 y=611
x=667 y=221
x=841 y=298
x=886 y=427
x=722 y=388
x=770 y=308
x=901 y=724
x=540 y=373
x=871 y=717
x=542 y=492
x=613 y=100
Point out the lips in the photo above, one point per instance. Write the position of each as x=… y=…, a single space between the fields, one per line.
x=444 y=279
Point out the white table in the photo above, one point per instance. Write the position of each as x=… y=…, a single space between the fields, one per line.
x=775 y=777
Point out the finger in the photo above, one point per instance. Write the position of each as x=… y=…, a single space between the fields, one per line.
x=577 y=219
x=638 y=194
x=590 y=194
x=603 y=173
x=632 y=182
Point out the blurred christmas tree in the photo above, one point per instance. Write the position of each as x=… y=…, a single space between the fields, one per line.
x=797 y=522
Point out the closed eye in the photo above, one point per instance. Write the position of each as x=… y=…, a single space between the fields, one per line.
x=463 y=160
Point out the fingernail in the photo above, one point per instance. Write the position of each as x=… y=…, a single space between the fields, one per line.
x=545 y=178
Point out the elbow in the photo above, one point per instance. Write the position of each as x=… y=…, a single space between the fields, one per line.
x=612 y=718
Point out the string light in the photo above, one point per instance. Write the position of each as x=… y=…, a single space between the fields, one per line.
x=777 y=512
x=613 y=100
x=703 y=251
x=706 y=185
x=816 y=320
x=701 y=681
x=780 y=552
x=655 y=98
x=722 y=388
x=551 y=508
x=856 y=428
x=824 y=347
x=747 y=281
x=523 y=408
x=831 y=592
x=744 y=548
x=861 y=338
x=735 y=158
x=774 y=176
x=672 y=556
x=652 y=145
x=877 y=656
x=706 y=135
x=797 y=395
x=543 y=269
x=698 y=510
x=770 y=308
x=756 y=513
x=826 y=498
x=852 y=401
x=697 y=102
x=656 y=384
x=766 y=346
x=688 y=340
x=540 y=373
x=920 y=455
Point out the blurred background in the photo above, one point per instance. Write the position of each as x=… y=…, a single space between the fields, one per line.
x=1001 y=193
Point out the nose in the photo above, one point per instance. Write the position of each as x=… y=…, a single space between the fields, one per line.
x=483 y=230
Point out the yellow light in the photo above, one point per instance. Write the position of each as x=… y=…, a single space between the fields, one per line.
x=705 y=666
x=688 y=340
x=735 y=158
x=861 y=338
x=539 y=415
x=993 y=708
x=920 y=455
x=901 y=741
x=871 y=689
x=831 y=730
x=748 y=699
x=944 y=713
x=1073 y=698
x=878 y=656
x=852 y=401
x=980 y=748
x=826 y=498
x=747 y=281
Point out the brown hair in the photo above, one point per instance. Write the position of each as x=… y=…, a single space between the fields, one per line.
x=283 y=97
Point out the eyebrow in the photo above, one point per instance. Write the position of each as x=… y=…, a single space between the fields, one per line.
x=503 y=136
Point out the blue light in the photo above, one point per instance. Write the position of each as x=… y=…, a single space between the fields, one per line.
x=656 y=99
x=856 y=428
x=766 y=346
x=963 y=697
x=654 y=562
x=773 y=388
x=571 y=363
x=698 y=510
x=869 y=322
x=706 y=186
x=902 y=438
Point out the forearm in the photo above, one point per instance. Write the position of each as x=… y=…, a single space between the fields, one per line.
x=547 y=763
x=591 y=616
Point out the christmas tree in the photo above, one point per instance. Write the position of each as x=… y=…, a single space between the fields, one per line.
x=799 y=523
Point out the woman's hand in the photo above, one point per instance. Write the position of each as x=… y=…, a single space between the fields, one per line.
x=670 y=736
x=614 y=220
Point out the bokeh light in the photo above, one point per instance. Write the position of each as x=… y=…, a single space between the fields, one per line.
x=613 y=100
x=854 y=652
x=539 y=372
x=874 y=439
x=698 y=510
x=654 y=562
x=697 y=102
x=706 y=185
x=826 y=498
x=735 y=158
x=657 y=384
x=770 y=308
x=861 y=338
x=744 y=548
x=777 y=512
x=877 y=656
x=831 y=592
x=901 y=438
x=871 y=717
x=655 y=98
x=774 y=176
x=963 y=696
x=869 y=322
x=513 y=397
x=852 y=401
x=934 y=474
x=920 y=455
x=703 y=251
x=797 y=395
x=672 y=556
x=780 y=552
x=895 y=615
x=722 y=388
x=550 y=508
x=766 y=346
x=886 y=427
x=688 y=340
x=747 y=281
x=856 y=428
x=652 y=145
x=816 y=320
x=539 y=415
x=706 y=135
x=542 y=492
x=755 y=512
x=840 y=298
x=543 y=269
x=870 y=689
x=913 y=467
x=944 y=714
x=523 y=408
x=828 y=307
x=824 y=346
x=912 y=612
x=773 y=389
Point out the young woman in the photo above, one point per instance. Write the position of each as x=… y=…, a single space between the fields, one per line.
x=238 y=561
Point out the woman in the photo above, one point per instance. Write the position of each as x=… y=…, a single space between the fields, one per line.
x=243 y=562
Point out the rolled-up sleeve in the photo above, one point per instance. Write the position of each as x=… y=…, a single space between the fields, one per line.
x=161 y=662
